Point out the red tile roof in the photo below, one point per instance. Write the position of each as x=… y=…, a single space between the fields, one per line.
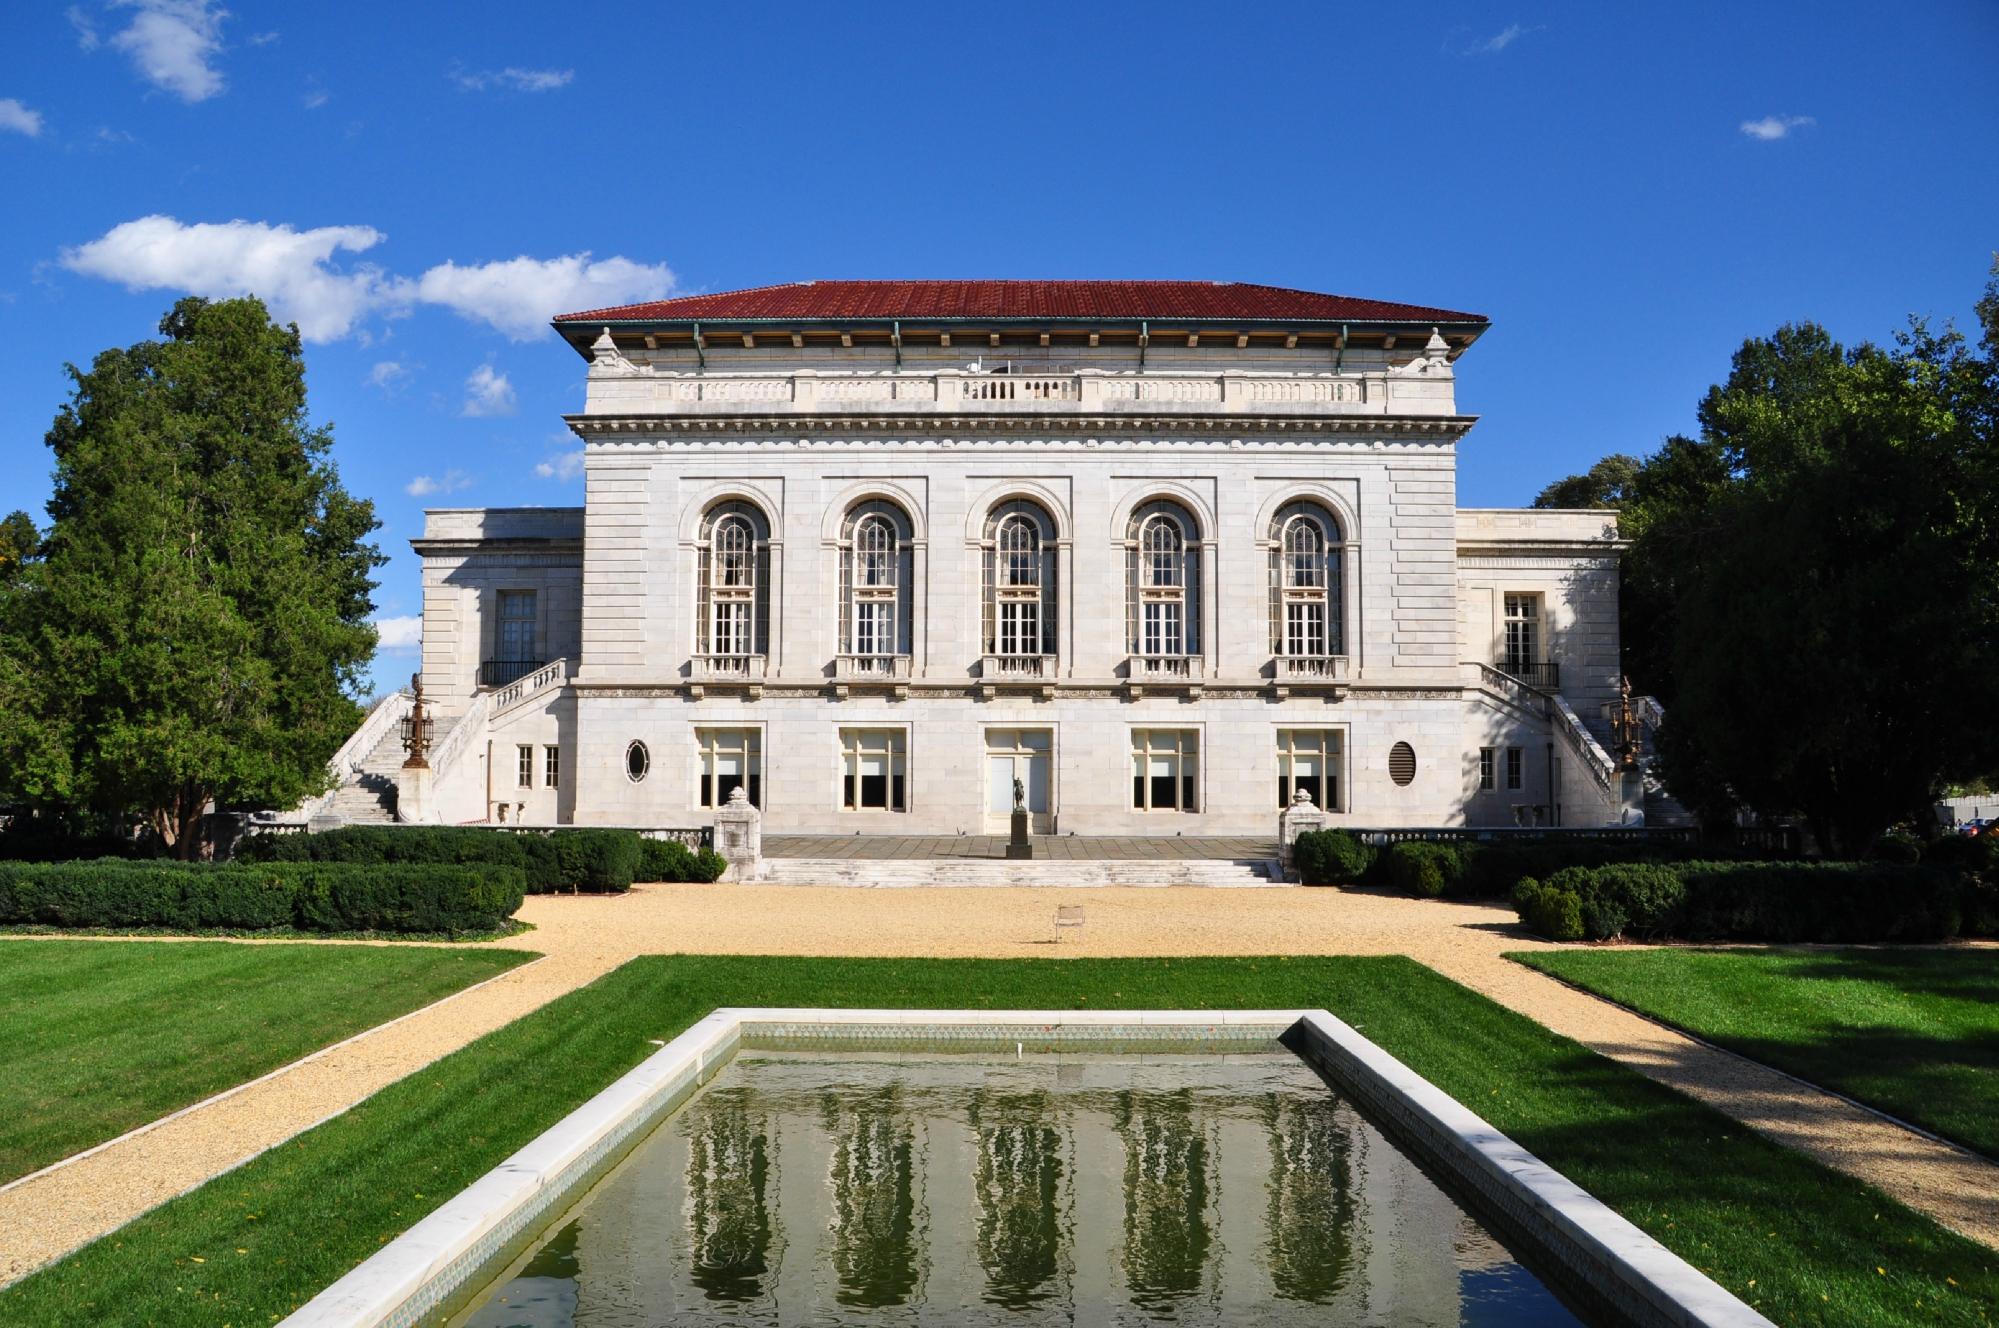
x=1059 y=301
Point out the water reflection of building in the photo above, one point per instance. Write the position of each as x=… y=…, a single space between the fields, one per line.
x=1166 y=1228
x=729 y=1223
x=1020 y=1167
x=1311 y=1230
x=872 y=1177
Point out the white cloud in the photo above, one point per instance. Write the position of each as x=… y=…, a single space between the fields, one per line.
x=400 y=634
x=1773 y=127
x=289 y=269
x=86 y=31
x=315 y=98
x=451 y=482
x=174 y=44
x=295 y=273
x=1500 y=40
x=513 y=79
x=262 y=38
x=18 y=118
x=488 y=394
x=388 y=375
x=564 y=466
x=519 y=295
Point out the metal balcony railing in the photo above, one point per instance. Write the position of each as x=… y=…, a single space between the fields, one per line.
x=500 y=672
x=1546 y=676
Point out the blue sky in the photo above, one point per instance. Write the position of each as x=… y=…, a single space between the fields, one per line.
x=1627 y=191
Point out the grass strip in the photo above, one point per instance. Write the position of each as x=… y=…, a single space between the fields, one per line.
x=1912 y=1032
x=1803 y=1244
x=98 y=1037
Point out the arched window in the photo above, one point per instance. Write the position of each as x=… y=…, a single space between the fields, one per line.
x=1020 y=589
x=734 y=620
x=1306 y=618
x=875 y=577
x=1163 y=582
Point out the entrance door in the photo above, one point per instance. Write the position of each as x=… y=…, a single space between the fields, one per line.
x=1020 y=754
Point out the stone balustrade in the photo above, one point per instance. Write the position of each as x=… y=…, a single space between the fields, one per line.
x=811 y=391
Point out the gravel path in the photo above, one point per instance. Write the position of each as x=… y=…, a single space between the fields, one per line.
x=46 y=1215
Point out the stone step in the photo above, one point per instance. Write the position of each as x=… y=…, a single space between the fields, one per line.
x=880 y=873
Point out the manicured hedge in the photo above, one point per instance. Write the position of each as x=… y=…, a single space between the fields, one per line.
x=1331 y=857
x=310 y=896
x=670 y=860
x=593 y=861
x=1843 y=902
x=1461 y=869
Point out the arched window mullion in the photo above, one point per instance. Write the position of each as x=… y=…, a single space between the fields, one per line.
x=1020 y=595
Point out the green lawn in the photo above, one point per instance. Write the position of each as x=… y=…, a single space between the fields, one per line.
x=97 y=1037
x=1805 y=1245
x=1912 y=1032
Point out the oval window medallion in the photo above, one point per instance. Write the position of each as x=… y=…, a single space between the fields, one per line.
x=1402 y=763
x=638 y=760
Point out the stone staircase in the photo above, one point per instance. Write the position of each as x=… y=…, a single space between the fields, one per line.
x=1662 y=809
x=368 y=797
x=883 y=873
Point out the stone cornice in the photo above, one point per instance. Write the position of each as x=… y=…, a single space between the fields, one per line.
x=946 y=430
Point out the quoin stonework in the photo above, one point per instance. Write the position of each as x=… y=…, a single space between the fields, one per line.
x=1166 y=553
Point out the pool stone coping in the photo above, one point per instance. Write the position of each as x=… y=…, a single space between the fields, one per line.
x=448 y=1256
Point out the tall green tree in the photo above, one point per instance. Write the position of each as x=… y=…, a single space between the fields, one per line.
x=1813 y=586
x=196 y=628
x=18 y=542
x=1606 y=484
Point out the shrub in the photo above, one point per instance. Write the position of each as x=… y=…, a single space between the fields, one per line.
x=1846 y=902
x=1636 y=898
x=311 y=896
x=1966 y=853
x=1556 y=914
x=1492 y=869
x=1897 y=846
x=1424 y=869
x=671 y=860
x=1331 y=857
x=596 y=861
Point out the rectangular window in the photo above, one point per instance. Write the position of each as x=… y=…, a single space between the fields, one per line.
x=1523 y=632
x=1164 y=765
x=526 y=752
x=1020 y=627
x=1513 y=770
x=1305 y=629
x=732 y=627
x=1309 y=760
x=551 y=767
x=1485 y=780
x=515 y=642
x=874 y=769
x=730 y=759
x=1162 y=628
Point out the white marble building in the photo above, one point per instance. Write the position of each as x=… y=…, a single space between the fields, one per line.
x=1166 y=552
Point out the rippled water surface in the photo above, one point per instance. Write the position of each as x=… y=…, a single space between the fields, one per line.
x=820 y=1188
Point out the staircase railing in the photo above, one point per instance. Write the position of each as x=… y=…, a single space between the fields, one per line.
x=525 y=689
x=449 y=752
x=381 y=719
x=1598 y=762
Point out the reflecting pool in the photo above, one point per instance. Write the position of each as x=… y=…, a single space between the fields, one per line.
x=1079 y=1188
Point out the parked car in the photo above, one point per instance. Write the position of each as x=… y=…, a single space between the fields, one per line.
x=1983 y=825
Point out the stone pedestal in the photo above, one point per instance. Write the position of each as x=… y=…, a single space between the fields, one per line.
x=1293 y=821
x=1020 y=846
x=416 y=797
x=739 y=836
